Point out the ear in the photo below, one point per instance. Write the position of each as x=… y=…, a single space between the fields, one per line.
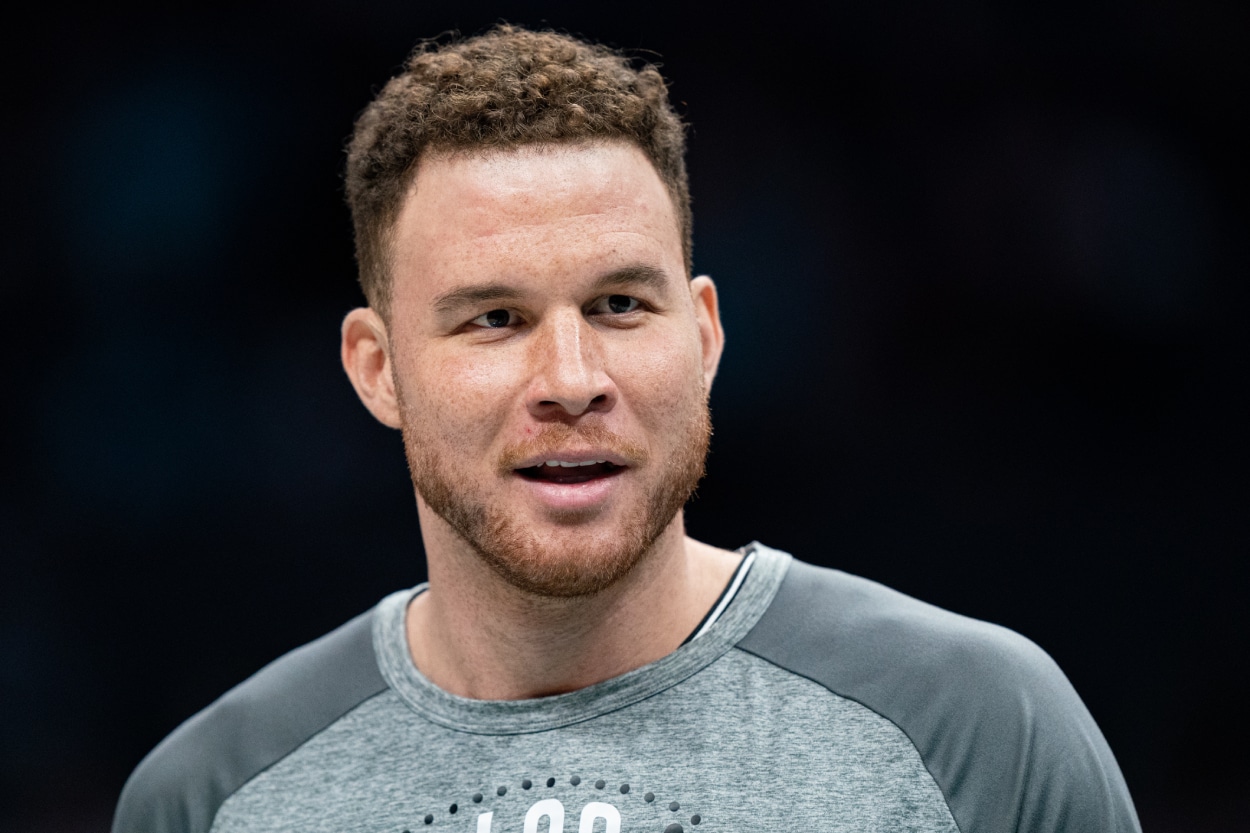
x=367 y=359
x=711 y=335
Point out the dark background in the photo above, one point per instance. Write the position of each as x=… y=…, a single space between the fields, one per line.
x=983 y=270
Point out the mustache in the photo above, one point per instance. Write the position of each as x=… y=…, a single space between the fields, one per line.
x=556 y=437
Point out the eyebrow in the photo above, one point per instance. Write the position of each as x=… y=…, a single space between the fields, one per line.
x=635 y=275
x=473 y=295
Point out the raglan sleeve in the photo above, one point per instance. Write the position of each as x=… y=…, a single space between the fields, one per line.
x=174 y=788
x=995 y=721
x=182 y=783
x=1017 y=749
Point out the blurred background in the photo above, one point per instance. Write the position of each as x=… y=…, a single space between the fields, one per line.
x=983 y=273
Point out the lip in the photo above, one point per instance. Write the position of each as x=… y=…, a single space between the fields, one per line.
x=587 y=495
x=570 y=456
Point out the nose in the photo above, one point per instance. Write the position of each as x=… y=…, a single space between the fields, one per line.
x=568 y=376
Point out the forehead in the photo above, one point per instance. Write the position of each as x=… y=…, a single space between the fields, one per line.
x=530 y=212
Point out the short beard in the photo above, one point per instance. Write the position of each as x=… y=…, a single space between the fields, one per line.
x=552 y=568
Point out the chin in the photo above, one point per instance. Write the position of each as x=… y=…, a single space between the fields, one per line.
x=567 y=563
x=576 y=553
x=581 y=554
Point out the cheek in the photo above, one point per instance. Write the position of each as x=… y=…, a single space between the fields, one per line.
x=661 y=383
x=463 y=400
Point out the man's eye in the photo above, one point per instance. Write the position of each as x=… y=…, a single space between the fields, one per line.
x=621 y=303
x=494 y=319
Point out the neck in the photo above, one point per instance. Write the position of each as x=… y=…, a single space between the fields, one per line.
x=475 y=635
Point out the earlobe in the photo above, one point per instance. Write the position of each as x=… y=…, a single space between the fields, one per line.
x=366 y=355
x=711 y=334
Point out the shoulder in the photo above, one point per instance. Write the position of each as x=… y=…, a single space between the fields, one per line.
x=994 y=719
x=821 y=618
x=180 y=785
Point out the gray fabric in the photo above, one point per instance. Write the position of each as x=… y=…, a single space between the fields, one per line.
x=180 y=785
x=995 y=720
x=708 y=731
x=743 y=744
x=501 y=717
x=741 y=729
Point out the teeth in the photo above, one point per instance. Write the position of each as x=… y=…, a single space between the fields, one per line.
x=565 y=465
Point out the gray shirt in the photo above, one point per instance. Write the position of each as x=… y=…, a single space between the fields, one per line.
x=817 y=701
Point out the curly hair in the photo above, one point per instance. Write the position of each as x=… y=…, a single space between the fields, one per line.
x=503 y=89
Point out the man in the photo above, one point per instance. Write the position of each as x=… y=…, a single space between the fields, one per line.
x=575 y=661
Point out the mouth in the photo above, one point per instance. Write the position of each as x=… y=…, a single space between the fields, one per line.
x=570 y=472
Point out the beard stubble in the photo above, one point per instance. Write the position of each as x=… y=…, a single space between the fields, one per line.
x=572 y=564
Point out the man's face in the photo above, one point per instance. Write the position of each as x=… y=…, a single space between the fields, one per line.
x=550 y=358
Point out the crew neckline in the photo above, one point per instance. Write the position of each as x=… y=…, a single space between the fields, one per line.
x=506 y=717
x=725 y=599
